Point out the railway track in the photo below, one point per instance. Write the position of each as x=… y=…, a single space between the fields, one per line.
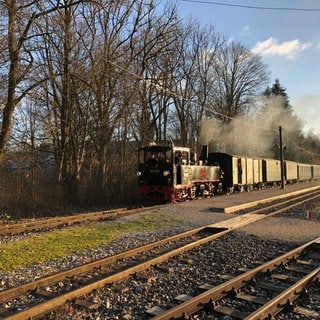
x=283 y=202
x=45 y=224
x=46 y=294
x=283 y=280
x=97 y=274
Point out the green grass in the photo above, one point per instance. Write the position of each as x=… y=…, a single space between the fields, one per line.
x=73 y=239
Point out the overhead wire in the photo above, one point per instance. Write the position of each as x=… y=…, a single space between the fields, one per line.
x=252 y=7
x=300 y=147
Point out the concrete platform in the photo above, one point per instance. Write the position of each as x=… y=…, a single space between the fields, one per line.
x=244 y=200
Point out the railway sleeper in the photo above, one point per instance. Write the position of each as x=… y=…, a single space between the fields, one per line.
x=4 y=312
x=271 y=287
x=44 y=294
x=298 y=270
x=307 y=263
x=182 y=297
x=155 y=311
x=230 y=312
x=307 y=312
x=285 y=277
x=251 y=298
x=89 y=305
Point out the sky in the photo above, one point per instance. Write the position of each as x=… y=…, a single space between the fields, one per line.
x=287 y=40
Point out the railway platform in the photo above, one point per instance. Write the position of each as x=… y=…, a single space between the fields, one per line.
x=244 y=200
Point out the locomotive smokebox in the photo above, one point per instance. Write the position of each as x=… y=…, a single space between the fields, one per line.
x=204 y=153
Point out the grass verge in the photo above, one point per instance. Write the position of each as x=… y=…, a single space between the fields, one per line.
x=60 y=243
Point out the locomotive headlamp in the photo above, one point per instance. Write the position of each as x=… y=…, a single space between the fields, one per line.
x=166 y=173
x=139 y=174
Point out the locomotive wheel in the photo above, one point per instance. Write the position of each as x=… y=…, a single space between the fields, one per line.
x=192 y=193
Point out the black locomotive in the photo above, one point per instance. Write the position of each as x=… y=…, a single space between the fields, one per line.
x=169 y=173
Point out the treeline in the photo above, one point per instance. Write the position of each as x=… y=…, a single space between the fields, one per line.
x=84 y=83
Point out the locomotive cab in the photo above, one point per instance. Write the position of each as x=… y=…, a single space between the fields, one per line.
x=155 y=172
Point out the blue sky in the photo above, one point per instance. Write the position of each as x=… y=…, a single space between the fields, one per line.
x=287 y=40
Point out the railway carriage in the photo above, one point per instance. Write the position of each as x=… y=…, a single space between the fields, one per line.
x=315 y=172
x=271 y=172
x=304 y=172
x=238 y=173
x=291 y=172
x=231 y=170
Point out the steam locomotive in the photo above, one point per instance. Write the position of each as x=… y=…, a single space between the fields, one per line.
x=169 y=173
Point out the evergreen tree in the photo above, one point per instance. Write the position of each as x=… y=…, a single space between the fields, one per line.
x=277 y=90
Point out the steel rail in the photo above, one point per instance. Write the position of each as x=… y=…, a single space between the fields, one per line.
x=208 y=297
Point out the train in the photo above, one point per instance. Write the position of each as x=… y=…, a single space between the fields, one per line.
x=169 y=173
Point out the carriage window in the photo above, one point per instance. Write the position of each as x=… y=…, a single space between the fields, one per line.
x=168 y=156
x=141 y=156
x=181 y=157
x=161 y=157
x=154 y=156
x=152 y=159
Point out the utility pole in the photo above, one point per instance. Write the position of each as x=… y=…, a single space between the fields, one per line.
x=281 y=158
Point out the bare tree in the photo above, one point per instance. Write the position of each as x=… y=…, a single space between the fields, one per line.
x=20 y=34
x=240 y=76
x=149 y=50
x=108 y=79
x=64 y=94
x=194 y=79
x=92 y=61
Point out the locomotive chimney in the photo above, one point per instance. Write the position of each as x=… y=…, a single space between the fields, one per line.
x=204 y=153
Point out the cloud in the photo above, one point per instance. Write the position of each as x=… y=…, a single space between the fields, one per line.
x=244 y=31
x=287 y=49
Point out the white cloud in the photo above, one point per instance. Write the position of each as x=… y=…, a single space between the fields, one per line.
x=287 y=49
x=244 y=31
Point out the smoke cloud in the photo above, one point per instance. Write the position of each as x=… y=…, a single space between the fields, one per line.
x=252 y=135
